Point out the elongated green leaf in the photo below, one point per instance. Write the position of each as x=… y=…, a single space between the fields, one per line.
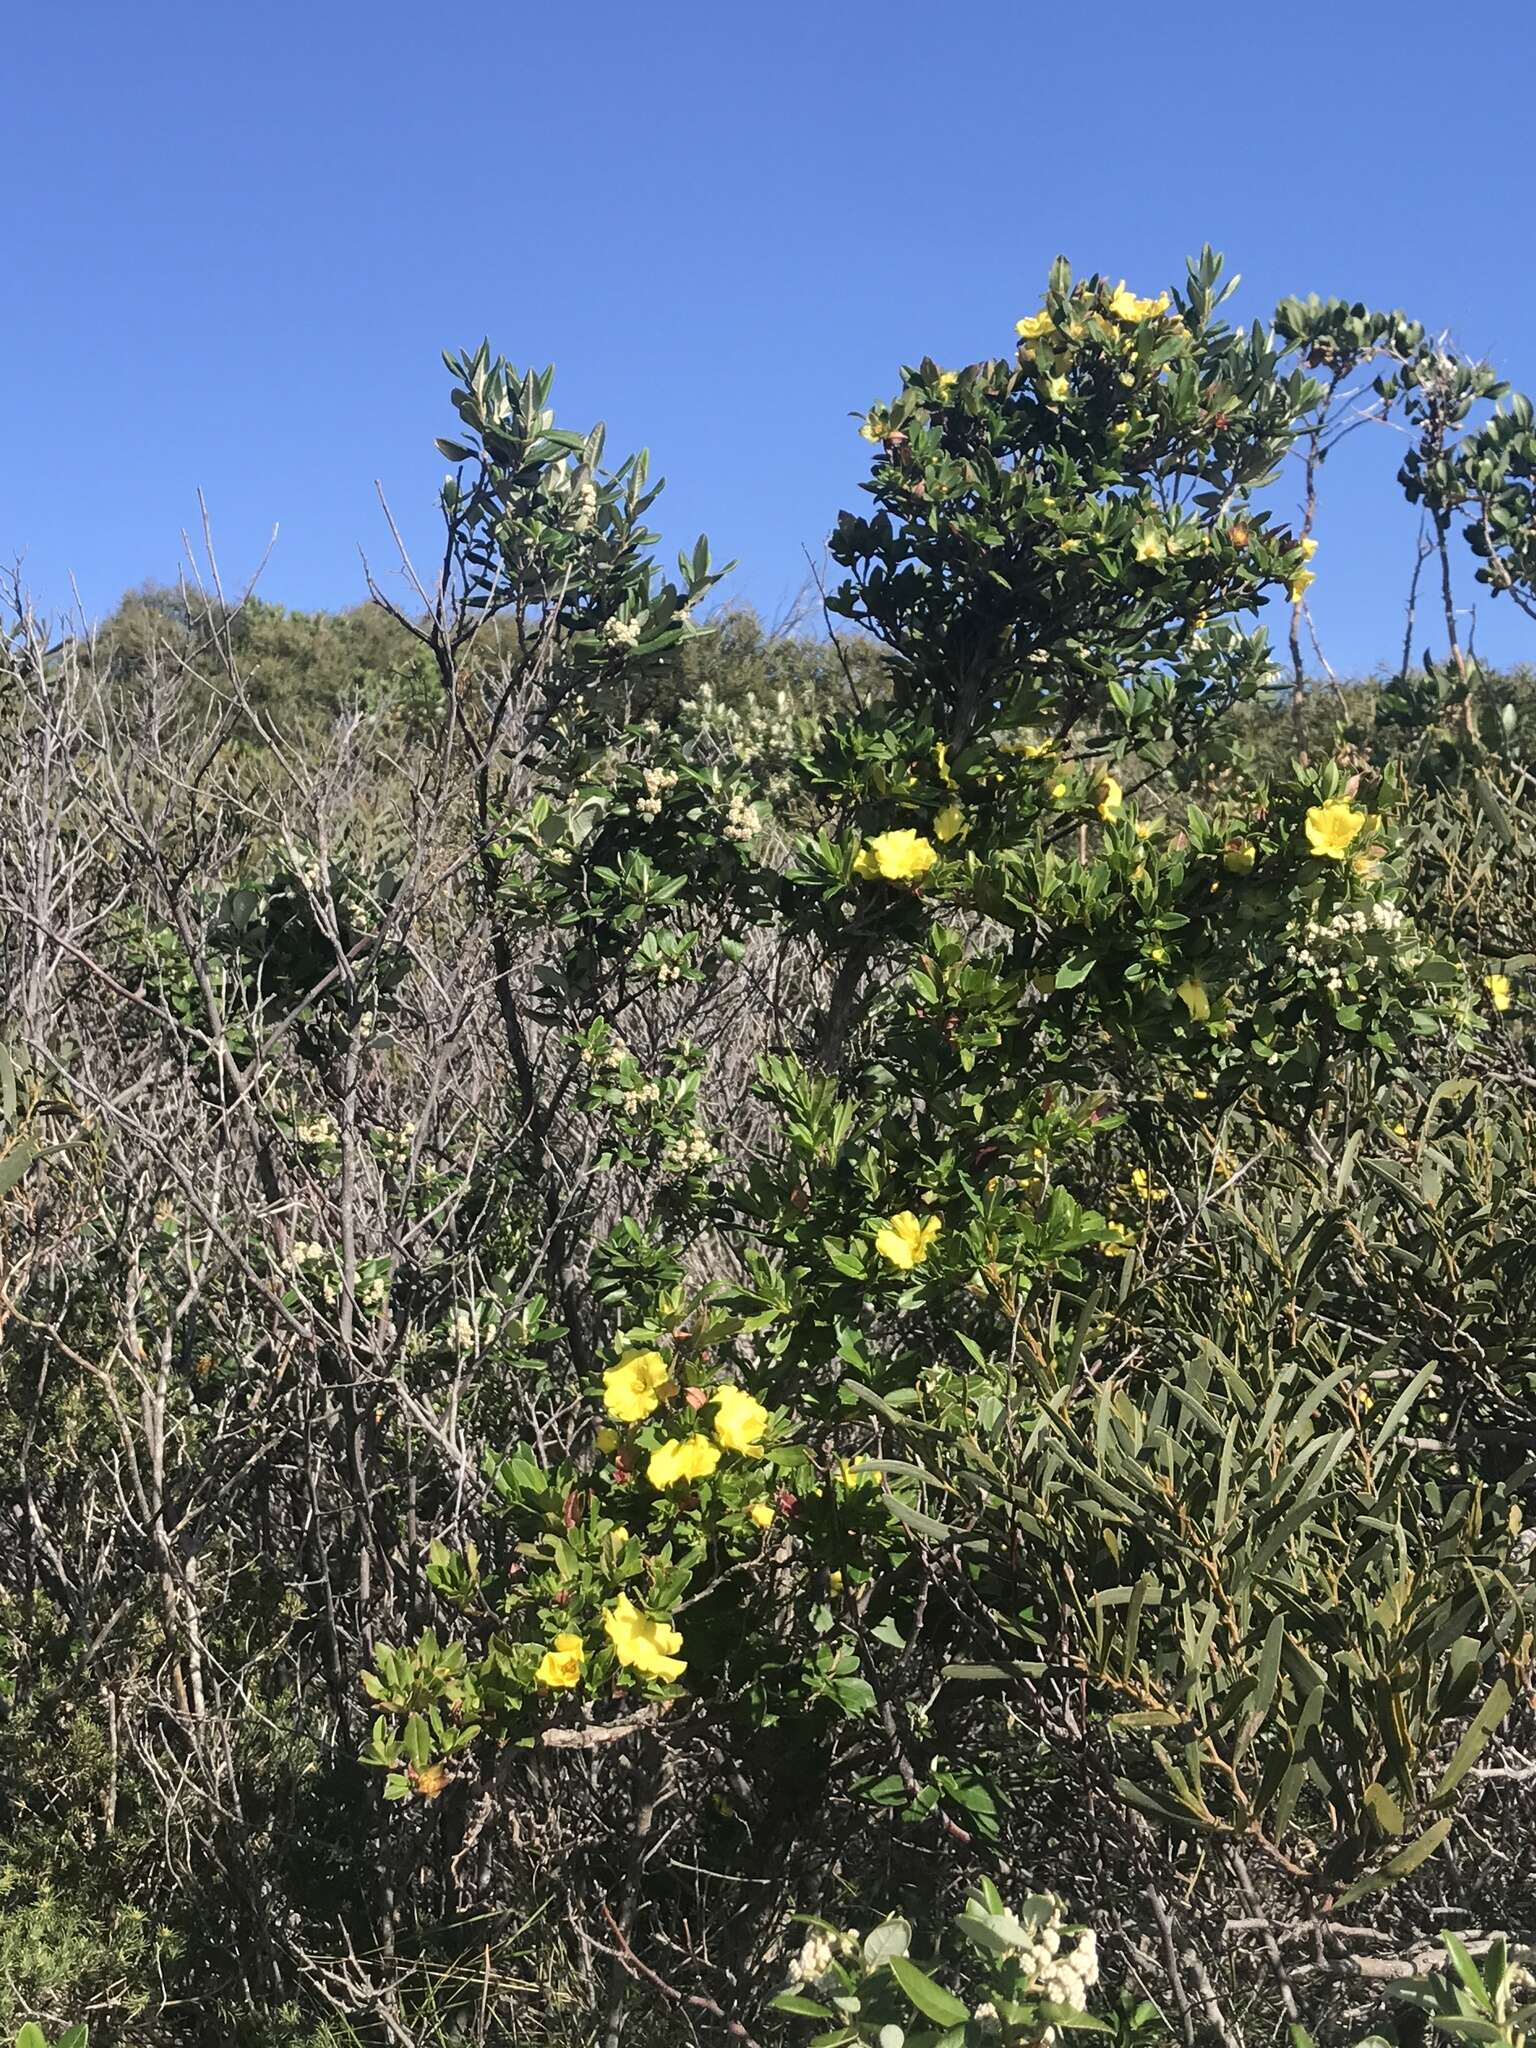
x=919 y=1523
x=1402 y=1864
x=1472 y=1744
x=931 y=2000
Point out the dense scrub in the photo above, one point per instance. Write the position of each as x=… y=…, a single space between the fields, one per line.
x=655 y=1277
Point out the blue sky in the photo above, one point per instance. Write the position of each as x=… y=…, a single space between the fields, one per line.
x=239 y=238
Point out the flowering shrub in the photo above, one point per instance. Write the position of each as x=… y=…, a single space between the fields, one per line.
x=801 y=1288
x=1029 y=1979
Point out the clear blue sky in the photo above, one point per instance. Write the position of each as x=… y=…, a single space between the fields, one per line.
x=239 y=236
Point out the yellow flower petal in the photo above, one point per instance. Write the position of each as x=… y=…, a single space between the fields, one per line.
x=904 y=1240
x=740 y=1422
x=560 y=1668
x=640 y=1644
x=679 y=1460
x=895 y=857
x=634 y=1387
x=1333 y=828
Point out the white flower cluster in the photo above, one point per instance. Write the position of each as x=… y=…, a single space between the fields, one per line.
x=1068 y=1979
x=657 y=782
x=321 y=1132
x=747 y=727
x=573 y=496
x=314 y=1265
x=741 y=821
x=470 y=1327
x=1349 y=934
x=812 y=1969
x=684 y=1154
x=622 y=632
x=610 y=1059
x=394 y=1146
x=372 y=1289
x=1062 y=1976
x=667 y=972
x=635 y=1098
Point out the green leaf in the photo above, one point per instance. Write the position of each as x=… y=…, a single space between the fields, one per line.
x=930 y=1999
x=1384 y=1810
x=920 y=1524
x=1472 y=1744
x=1402 y=1864
x=891 y=1938
x=14 y=1162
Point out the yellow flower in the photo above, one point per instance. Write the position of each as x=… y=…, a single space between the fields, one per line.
x=1238 y=857
x=1036 y=750
x=607 y=1440
x=1149 y=545
x=1058 y=789
x=1111 y=797
x=1300 y=584
x=680 y=1459
x=1497 y=986
x=941 y=762
x=950 y=824
x=904 y=1240
x=1333 y=828
x=761 y=1513
x=1126 y=306
x=1308 y=548
x=1057 y=389
x=561 y=1666
x=1033 y=325
x=946 y=382
x=1192 y=995
x=853 y=1475
x=640 y=1644
x=1145 y=1186
x=740 y=1421
x=633 y=1388
x=895 y=857
x=876 y=425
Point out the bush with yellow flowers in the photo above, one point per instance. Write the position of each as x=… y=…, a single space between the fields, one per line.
x=802 y=1305
x=897 y=1411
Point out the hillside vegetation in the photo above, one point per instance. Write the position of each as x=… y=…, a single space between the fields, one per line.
x=805 y=1337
